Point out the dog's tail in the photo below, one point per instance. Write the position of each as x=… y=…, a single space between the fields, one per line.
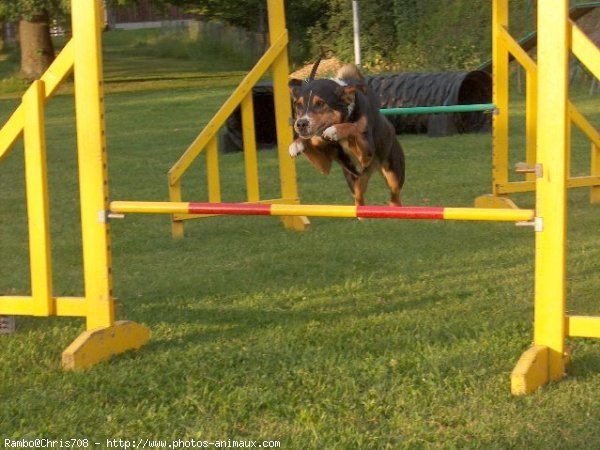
x=349 y=72
x=313 y=71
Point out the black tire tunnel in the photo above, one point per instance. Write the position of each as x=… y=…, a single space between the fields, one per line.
x=435 y=89
x=394 y=91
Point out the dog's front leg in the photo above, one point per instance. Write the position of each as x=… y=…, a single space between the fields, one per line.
x=297 y=147
x=319 y=152
x=351 y=137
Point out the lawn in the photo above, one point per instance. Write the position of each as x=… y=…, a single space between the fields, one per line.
x=355 y=334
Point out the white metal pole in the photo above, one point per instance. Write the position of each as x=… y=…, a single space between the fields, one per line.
x=356 y=25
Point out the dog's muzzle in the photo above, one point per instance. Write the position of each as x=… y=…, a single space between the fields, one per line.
x=302 y=127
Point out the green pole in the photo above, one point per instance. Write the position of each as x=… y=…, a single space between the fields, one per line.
x=480 y=107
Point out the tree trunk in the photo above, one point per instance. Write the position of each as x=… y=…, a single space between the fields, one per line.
x=37 y=51
x=1 y=36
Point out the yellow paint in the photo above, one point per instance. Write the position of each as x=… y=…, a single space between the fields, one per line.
x=94 y=346
x=313 y=210
x=531 y=371
x=295 y=223
x=276 y=58
x=125 y=207
x=283 y=112
x=212 y=171
x=38 y=217
x=585 y=50
x=56 y=73
x=93 y=185
x=595 y=164
x=16 y=306
x=177 y=230
x=60 y=69
x=583 y=124
x=513 y=47
x=24 y=306
x=492 y=214
x=494 y=201
x=553 y=150
x=250 y=158
x=583 y=326
x=531 y=121
x=500 y=86
x=11 y=132
x=234 y=100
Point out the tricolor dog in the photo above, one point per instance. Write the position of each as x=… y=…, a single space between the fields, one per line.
x=338 y=120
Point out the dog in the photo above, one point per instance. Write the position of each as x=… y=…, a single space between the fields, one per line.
x=338 y=120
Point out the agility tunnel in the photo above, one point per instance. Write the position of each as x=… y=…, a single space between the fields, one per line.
x=407 y=90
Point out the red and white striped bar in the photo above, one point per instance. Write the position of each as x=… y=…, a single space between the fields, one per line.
x=371 y=212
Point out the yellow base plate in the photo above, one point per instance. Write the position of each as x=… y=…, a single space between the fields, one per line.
x=296 y=223
x=494 y=201
x=97 y=345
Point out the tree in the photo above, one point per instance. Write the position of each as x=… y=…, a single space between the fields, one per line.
x=34 y=17
x=300 y=16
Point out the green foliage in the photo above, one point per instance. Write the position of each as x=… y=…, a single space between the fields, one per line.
x=237 y=12
x=250 y=14
x=175 y=44
x=414 y=34
x=16 y=9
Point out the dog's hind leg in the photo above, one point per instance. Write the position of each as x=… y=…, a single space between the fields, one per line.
x=393 y=182
x=358 y=184
x=393 y=172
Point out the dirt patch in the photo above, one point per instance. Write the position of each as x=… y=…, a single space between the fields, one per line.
x=327 y=68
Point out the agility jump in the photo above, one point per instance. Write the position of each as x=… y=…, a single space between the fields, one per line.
x=504 y=48
x=105 y=336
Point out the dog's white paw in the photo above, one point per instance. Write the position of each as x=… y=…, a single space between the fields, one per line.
x=331 y=133
x=296 y=148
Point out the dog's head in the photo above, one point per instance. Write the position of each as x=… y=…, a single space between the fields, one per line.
x=319 y=104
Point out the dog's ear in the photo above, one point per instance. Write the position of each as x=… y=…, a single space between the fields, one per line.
x=348 y=94
x=294 y=86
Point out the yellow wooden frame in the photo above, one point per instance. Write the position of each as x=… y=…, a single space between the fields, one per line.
x=545 y=361
x=104 y=337
x=276 y=59
x=503 y=46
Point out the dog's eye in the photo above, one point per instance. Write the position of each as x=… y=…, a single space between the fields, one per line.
x=318 y=103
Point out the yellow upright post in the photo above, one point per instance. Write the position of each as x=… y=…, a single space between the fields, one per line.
x=545 y=361
x=104 y=337
x=595 y=172
x=500 y=87
x=93 y=178
x=531 y=121
x=500 y=91
x=37 y=200
x=250 y=158
x=283 y=112
x=212 y=171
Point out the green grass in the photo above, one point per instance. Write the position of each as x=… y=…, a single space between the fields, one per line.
x=149 y=59
x=356 y=334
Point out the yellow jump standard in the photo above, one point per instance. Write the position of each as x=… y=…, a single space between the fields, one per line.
x=549 y=116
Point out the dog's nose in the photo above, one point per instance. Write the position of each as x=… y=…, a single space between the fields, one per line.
x=302 y=124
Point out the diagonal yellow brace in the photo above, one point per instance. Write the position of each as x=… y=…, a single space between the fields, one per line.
x=585 y=50
x=211 y=129
x=58 y=71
